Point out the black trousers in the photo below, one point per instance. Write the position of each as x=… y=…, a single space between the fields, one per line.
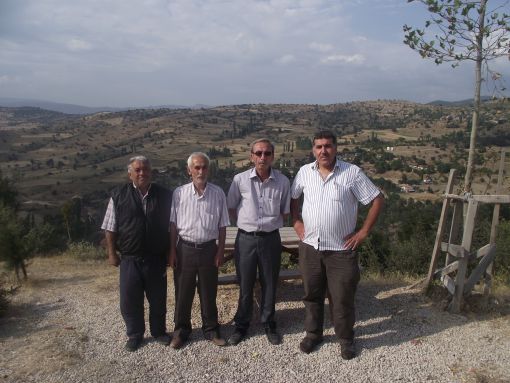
x=338 y=272
x=193 y=262
x=139 y=276
x=264 y=254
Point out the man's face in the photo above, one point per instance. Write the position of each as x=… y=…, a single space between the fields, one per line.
x=140 y=174
x=324 y=151
x=262 y=156
x=199 y=170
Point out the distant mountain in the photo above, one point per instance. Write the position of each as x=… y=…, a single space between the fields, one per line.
x=79 y=109
x=466 y=102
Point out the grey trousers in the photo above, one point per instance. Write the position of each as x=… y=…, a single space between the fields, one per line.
x=252 y=253
x=335 y=271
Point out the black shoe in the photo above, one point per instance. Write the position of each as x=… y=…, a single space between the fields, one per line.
x=347 y=350
x=133 y=344
x=164 y=339
x=177 y=342
x=307 y=345
x=237 y=336
x=218 y=340
x=272 y=336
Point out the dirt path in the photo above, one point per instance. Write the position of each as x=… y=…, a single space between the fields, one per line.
x=64 y=325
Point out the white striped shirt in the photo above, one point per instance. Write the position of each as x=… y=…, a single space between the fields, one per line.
x=198 y=218
x=260 y=205
x=110 y=221
x=330 y=207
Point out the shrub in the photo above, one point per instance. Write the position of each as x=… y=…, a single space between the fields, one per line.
x=86 y=251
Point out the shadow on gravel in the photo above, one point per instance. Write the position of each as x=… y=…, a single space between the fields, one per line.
x=387 y=314
x=23 y=319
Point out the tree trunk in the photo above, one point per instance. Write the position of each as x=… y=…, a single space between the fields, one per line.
x=476 y=108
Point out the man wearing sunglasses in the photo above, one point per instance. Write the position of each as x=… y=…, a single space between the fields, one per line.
x=259 y=200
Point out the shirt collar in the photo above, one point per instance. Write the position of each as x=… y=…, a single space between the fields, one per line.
x=194 y=191
x=139 y=192
x=315 y=165
x=253 y=173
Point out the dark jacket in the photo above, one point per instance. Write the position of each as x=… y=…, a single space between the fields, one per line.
x=142 y=234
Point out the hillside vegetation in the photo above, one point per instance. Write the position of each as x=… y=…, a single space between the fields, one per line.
x=63 y=166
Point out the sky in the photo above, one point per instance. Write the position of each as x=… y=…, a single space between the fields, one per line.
x=135 y=53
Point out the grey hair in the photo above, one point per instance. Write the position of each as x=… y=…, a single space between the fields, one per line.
x=265 y=140
x=198 y=154
x=142 y=159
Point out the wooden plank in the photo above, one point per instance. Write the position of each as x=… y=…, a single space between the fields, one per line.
x=494 y=226
x=479 y=271
x=285 y=275
x=456 y=251
x=467 y=237
x=450 y=268
x=480 y=198
x=287 y=234
x=481 y=252
x=440 y=230
x=455 y=227
x=448 y=283
x=492 y=198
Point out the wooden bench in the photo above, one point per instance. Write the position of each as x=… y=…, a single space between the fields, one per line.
x=290 y=243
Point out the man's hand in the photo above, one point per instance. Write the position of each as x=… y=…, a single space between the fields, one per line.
x=171 y=259
x=219 y=259
x=353 y=240
x=113 y=259
x=299 y=228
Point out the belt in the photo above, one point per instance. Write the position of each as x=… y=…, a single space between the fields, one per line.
x=258 y=233
x=195 y=245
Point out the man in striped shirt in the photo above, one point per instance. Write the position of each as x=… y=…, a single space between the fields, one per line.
x=198 y=218
x=258 y=199
x=327 y=258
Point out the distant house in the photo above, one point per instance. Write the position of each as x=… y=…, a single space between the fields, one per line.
x=427 y=180
x=405 y=188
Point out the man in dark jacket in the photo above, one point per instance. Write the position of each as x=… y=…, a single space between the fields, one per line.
x=136 y=225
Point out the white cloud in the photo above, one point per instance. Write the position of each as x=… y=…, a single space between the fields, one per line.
x=286 y=59
x=352 y=59
x=321 y=47
x=5 y=79
x=77 y=45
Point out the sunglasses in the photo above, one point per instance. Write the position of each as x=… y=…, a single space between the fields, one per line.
x=260 y=153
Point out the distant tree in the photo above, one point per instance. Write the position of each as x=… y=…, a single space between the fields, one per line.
x=464 y=30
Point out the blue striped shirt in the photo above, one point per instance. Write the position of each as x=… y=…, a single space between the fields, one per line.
x=330 y=207
x=199 y=218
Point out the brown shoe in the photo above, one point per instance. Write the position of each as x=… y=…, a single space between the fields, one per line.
x=177 y=342
x=218 y=341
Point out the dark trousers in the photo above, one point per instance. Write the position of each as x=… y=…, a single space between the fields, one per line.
x=264 y=254
x=138 y=276
x=338 y=272
x=193 y=262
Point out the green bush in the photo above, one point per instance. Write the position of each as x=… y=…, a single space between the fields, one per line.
x=86 y=251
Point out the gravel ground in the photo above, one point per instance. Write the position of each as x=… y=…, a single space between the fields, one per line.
x=64 y=325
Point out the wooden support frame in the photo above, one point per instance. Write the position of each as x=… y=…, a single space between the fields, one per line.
x=459 y=255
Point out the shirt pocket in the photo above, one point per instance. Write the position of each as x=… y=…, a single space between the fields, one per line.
x=338 y=193
x=208 y=220
x=271 y=201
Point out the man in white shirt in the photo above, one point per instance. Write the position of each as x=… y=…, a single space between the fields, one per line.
x=332 y=191
x=258 y=199
x=198 y=218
